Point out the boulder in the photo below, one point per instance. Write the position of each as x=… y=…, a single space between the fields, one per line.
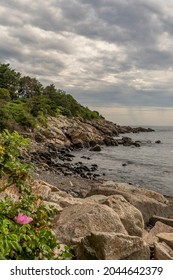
x=162 y=251
x=164 y=220
x=148 y=202
x=166 y=237
x=77 y=221
x=110 y=141
x=151 y=236
x=63 y=200
x=112 y=246
x=130 y=216
x=127 y=141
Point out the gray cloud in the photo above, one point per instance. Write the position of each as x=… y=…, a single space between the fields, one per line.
x=103 y=52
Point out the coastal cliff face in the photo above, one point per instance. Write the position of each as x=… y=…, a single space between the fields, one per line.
x=63 y=131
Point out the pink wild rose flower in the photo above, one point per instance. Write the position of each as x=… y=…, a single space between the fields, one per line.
x=23 y=219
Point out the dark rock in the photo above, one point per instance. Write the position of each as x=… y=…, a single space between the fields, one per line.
x=92 y=143
x=137 y=144
x=85 y=157
x=96 y=148
x=94 y=165
x=158 y=142
x=68 y=159
x=69 y=155
x=127 y=141
x=126 y=144
x=110 y=141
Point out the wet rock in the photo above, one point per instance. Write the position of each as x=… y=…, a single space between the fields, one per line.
x=127 y=141
x=85 y=157
x=110 y=141
x=92 y=143
x=158 y=142
x=96 y=148
x=137 y=143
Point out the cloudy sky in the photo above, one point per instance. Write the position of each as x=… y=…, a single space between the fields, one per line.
x=114 y=56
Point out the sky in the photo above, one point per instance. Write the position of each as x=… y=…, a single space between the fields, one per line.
x=114 y=56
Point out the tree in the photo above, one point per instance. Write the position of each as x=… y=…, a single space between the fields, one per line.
x=9 y=79
x=29 y=87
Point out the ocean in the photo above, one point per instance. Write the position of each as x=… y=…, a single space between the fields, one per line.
x=149 y=166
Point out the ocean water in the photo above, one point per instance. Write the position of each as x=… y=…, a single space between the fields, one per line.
x=149 y=166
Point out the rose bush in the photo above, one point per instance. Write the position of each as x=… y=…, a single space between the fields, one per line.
x=25 y=224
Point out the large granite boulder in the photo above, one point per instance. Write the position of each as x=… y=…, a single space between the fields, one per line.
x=112 y=246
x=78 y=221
x=130 y=216
x=148 y=202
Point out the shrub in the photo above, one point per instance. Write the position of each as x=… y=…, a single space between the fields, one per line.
x=25 y=224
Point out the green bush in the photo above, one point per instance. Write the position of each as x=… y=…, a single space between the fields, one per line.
x=18 y=111
x=26 y=223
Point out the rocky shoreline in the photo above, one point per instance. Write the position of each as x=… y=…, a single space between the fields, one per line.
x=102 y=219
x=109 y=220
x=53 y=146
x=76 y=133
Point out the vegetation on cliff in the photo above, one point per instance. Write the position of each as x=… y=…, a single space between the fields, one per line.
x=25 y=102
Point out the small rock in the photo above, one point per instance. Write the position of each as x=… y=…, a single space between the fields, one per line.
x=96 y=148
x=137 y=143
